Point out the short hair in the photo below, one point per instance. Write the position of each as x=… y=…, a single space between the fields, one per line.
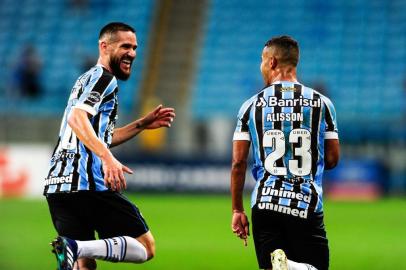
x=287 y=49
x=113 y=27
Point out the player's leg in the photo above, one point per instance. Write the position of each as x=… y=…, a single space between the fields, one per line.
x=114 y=217
x=308 y=247
x=124 y=234
x=267 y=231
x=72 y=223
x=147 y=239
x=123 y=249
x=115 y=249
x=270 y=230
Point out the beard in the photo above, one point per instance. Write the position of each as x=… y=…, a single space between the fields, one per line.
x=117 y=71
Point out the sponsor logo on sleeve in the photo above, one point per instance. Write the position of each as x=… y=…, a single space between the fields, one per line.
x=93 y=98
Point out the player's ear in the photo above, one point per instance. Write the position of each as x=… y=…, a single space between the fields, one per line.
x=273 y=62
x=102 y=46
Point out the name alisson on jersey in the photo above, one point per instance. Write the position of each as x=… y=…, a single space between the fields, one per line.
x=287 y=116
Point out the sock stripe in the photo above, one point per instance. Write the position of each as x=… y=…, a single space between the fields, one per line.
x=121 y=248
x=125 y=248
x=110 y=249
x=107 y=250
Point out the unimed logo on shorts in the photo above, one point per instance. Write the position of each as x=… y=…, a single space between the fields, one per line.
x=268 y=192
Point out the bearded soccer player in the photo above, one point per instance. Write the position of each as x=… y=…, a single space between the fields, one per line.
x=293 y=132
x=84 y=184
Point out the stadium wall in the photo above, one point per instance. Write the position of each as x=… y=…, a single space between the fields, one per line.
x=23 y=168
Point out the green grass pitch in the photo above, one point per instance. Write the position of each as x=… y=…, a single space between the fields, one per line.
x=193 y=232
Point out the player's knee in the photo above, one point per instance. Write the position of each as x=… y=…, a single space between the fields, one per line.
x=147 y=240
x=86 y=264
x=150 y=247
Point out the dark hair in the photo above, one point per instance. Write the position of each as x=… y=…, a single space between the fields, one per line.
x=287 y=49
x=114 y=27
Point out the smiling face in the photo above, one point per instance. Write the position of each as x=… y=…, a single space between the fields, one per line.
x=119 y=51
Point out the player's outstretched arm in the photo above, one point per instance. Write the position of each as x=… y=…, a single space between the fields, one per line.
x=112 y=168
x=239 y=222
x=157 y=118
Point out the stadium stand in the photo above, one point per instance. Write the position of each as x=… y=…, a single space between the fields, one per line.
x=357 y=49
x=65 y=37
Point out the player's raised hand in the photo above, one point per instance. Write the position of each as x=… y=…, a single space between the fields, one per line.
x=159 y=117
x=114 y=173
x=240 y=225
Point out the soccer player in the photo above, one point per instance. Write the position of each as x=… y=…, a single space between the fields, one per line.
x=293 y=133
x=84 y=182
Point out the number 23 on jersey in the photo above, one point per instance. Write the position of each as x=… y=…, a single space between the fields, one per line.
x=275 y=139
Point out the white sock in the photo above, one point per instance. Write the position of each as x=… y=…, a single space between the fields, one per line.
x=300 y=266
x=117 y=249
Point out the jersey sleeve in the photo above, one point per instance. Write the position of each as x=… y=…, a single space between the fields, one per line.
x=241 y=132
x=331 y=131
x=99 y=85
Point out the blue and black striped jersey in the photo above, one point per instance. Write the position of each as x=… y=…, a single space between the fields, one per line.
x=287 y=124
x=73 y=166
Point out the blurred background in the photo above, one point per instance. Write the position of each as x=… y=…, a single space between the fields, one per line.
x=202 y=57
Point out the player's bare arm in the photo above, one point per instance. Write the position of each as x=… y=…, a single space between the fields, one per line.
x=331 y=153
x=157 y=118
x=239 y=223
x=112 y=168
